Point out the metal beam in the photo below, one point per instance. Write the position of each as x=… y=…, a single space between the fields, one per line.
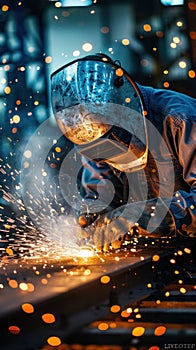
x=74 y=293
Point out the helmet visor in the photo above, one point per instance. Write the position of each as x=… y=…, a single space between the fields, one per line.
x=89 y=98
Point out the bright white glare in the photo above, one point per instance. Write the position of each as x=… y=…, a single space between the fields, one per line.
x=172 y=2
x=87 y=47
x=86 y=252
x=76 y=53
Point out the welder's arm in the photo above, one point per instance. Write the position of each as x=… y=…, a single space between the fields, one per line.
x=151 y=218
x=158 y=218
x=183 y=203
x=180 y=211
x=183 y=208
x=119 y=220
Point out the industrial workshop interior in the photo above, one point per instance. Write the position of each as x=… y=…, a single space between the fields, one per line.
x=85 y=265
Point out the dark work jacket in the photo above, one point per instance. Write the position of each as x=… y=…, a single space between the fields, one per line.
x=170 y=172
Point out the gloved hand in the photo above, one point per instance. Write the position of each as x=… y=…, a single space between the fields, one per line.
x=150 y=218
x=110 y=231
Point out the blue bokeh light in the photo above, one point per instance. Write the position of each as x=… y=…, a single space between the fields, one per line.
x=172 y=2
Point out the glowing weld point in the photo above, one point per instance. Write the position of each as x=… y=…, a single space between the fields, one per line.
x=86 y=252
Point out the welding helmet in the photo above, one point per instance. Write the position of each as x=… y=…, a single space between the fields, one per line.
x=98 y=107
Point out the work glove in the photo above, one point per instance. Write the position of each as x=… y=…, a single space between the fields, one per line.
x=151 y=218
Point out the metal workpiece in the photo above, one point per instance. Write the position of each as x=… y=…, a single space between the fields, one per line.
x=75 y=291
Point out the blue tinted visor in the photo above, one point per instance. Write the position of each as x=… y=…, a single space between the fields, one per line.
x=90 y=97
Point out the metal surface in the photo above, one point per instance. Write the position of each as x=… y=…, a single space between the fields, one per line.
x=167 y=317
x=175 y=318
x=72 y=291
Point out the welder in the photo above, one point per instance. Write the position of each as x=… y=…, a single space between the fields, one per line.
x=138 y=149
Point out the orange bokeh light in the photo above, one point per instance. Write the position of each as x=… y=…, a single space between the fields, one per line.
x=13 y=284
x=54 y=341
x=103 y=326
x=160 y=330
x=14 y=329
x=5 y=8
x=191 y=5
x=138 y=331
x=192 y=35
x=155 y=257
x=28 y=308
x=115 y=308
x=105 y=279
x=166 y=84
x=48 y=318
x=119 y=72
x=14 y=130
x=147 y=27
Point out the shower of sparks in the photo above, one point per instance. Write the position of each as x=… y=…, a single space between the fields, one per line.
x=20 y=237
x=48 y=234
x=37 y=230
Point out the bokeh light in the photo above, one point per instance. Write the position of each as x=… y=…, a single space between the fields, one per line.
x=138 y=331
x=105 y=279
x=28 y=308
x=48 y=318
x=54 y=341
x=160 y=330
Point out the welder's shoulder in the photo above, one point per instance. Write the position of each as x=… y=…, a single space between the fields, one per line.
x=169 y=102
